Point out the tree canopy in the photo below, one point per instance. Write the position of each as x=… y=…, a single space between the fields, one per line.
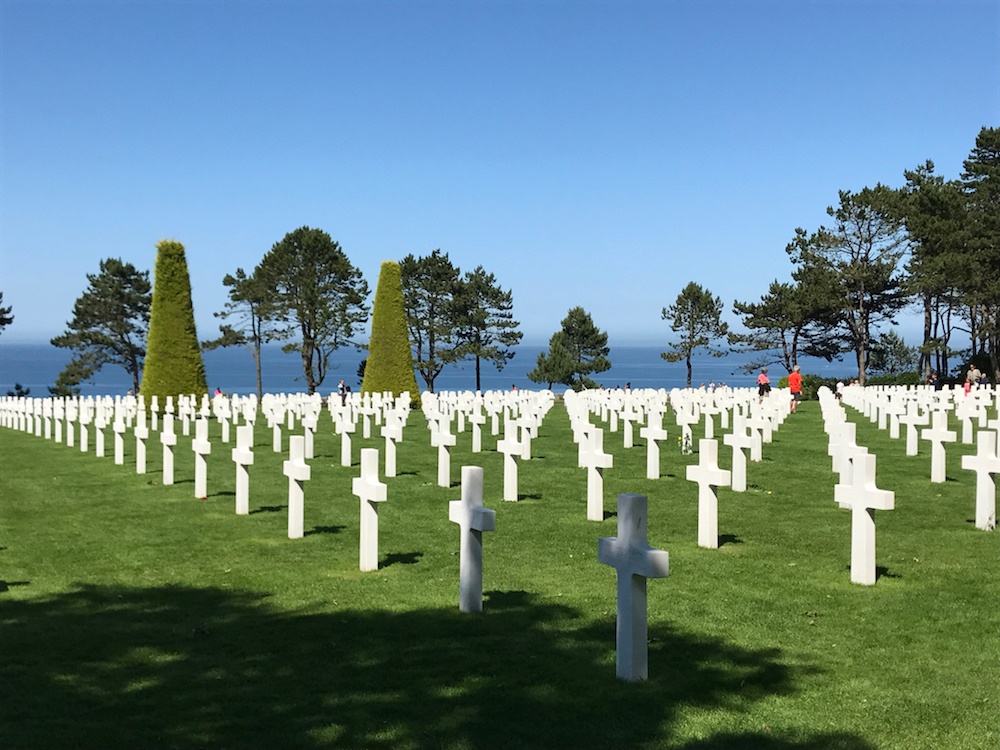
x=109 y=324
x=318 y=298
x=250 y=306
x=485 y=321
x=697 y=316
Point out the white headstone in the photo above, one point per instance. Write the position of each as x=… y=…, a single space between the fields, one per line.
x=985 y=463
x=709 y=477
x=243 y=458
x=370 y=491
x=473 y=519
x=297 y=471
x=169 y=439
x=863 y=498
x=511 y=449
x=595 y=460
x=938 y=434
x=630 y=554
x=201 y=447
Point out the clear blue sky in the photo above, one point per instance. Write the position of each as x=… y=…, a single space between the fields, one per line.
x=601 y=154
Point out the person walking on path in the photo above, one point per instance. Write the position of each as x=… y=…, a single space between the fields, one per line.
x=795 y=386
x=342 y=391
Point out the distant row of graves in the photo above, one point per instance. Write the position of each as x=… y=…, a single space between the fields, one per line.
x=513 y=419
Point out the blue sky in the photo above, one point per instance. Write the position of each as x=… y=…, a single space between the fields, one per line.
x=600 y=154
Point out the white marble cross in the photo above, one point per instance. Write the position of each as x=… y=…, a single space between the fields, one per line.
x=473 y=519
x=477 y=419
x=201 y=447
x=169 y=439
x=653 y=432
x=985 y=463
x=595 y=460
x=938 y=434
x=297 y=471
x=913 y=418
x=370 y=491
x=392 y=431
x=444 y=441
x=345 y=428
x=243 y=457
x=511 y=449
x=118 y=427
x=630 y=554
x=141 y=433
x=709 y=477
x=863 y=498
x=739 y=440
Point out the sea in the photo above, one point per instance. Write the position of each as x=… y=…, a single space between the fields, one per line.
x=35 y=366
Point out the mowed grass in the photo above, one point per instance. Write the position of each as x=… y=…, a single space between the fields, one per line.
x=135 y=615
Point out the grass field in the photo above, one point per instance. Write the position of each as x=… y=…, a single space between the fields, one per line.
x=135 y=615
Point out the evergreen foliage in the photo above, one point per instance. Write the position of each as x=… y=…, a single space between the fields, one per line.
x=5 y=314
x=430 y=288
x=174 y=366
x=318 y=298
x=553 y=366
x=250 y=304
x=587 y=347
x=109 y=323
x=485 y=320
x=696 y=316
x=389 y=365
x=862 y=251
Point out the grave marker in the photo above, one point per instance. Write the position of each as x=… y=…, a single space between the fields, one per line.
x=630 y=554
x=370 y=491
x=473 y=519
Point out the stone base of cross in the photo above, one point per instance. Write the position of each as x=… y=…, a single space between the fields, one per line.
x=630 y=554
x=473 y=519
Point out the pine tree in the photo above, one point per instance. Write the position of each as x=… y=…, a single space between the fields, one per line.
x=174 y=366
x=389 y=366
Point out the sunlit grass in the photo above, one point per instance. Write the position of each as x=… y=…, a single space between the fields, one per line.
x=135 y=615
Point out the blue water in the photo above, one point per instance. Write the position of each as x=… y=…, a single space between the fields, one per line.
x=36 y=366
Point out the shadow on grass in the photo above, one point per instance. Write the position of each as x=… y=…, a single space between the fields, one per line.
x=324 y=530
x=725 y=539
x=400 y=558
x=269 y=509
x=185 y=667
x=6 y=585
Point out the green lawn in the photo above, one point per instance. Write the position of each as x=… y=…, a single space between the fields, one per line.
x=134 y=615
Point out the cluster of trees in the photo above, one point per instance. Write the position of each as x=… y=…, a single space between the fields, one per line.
x=933 y=243
x=304 y=292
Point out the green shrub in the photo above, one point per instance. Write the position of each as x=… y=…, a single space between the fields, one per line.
x=174 y=365
x=389 y=366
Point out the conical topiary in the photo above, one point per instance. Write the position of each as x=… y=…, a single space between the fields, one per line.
x=390 y=360
x=173 y=357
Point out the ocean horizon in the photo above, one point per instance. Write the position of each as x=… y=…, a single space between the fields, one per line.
x=35 y=366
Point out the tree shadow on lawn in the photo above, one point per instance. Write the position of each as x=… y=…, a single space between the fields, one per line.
x=186 y=667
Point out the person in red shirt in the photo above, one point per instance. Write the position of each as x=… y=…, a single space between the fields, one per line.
x=795 y=386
